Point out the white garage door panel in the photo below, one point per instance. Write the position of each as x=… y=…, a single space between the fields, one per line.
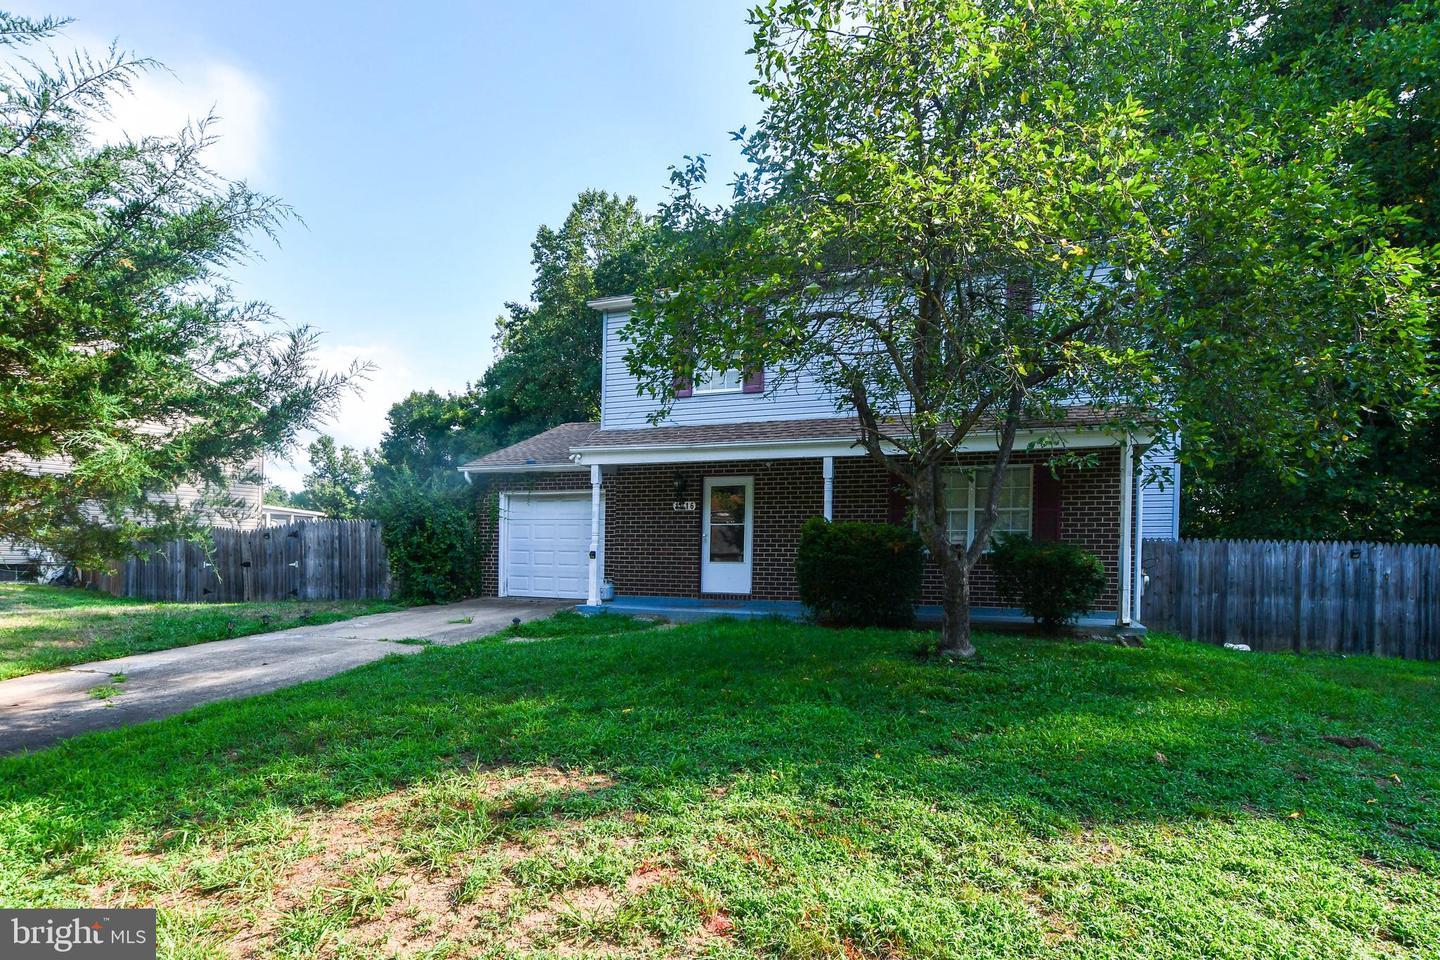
x=547 y=547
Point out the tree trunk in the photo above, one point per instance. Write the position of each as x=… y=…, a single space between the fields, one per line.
x=955 y=630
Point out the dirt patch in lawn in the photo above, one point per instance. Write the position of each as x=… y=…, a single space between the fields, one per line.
x=403 y=873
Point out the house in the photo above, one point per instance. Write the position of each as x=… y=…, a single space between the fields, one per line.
x=239 y=505
x=274 y=515
x=703 y=511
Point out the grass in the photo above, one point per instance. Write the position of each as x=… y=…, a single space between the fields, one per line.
x=44 y=628
x=732 y=790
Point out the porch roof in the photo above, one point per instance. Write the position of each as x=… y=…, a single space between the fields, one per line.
x=1082 y=426
x=548 y=451
x=576 y=446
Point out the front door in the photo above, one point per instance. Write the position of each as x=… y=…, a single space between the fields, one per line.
x=727 y=534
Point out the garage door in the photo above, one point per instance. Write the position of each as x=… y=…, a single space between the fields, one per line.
x=547 y=546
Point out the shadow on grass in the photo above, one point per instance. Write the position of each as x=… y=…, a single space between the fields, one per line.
x=1055 y=735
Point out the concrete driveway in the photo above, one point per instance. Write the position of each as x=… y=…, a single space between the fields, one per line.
x=43 y=708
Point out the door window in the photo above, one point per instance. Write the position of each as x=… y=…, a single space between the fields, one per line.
x=727 y=523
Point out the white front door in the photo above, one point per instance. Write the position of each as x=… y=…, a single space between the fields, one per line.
x=546 y=548
x=727 y=534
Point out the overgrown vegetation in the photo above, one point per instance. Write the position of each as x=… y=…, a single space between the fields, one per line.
x=1053 y=582
x=124 y=352
x=859 y=574
x=433 y=536
x=763 y=790
x=44 y=628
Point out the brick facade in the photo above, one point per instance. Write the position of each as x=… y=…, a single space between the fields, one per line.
x=651 y=549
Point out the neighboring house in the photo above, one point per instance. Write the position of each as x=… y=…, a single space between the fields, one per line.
x=708 y=505
x=241 y=510
x=274 y=515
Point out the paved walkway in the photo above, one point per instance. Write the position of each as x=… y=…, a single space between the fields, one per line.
x=40 y=709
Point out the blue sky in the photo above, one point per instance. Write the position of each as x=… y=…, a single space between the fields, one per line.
x=423 y=144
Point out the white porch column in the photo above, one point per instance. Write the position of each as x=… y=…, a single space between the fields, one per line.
x=827 y=470
x=1137 y=592
x=594 y=598
x=1124 y=573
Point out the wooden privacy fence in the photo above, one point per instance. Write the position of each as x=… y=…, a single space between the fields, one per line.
x=308 y=560
x=1380 y=598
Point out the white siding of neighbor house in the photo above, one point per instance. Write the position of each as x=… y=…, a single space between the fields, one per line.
x=801 y=397
x=245 y=515
x=1160 y=501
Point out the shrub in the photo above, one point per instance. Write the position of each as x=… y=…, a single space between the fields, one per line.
x=433 y=538
x=1052 y=582
x=859 y=574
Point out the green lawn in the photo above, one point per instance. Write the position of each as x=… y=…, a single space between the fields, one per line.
x=42 y=628
x=763 y=790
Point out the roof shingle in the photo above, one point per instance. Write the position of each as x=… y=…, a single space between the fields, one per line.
x=550 y=449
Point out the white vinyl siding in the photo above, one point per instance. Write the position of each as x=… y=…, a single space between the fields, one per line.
x=1159 y=496
x=242 y=514
x=800 y=397
x=965 y=492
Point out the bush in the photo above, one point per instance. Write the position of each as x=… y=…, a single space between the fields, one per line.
x=859 y=574
x=1052 y=582
x=433 y=538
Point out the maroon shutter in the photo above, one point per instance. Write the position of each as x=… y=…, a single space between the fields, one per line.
x=684 y=386
x=1045 y=505
x=754 y=382
x=897 y=506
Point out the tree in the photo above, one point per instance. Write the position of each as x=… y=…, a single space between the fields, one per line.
x=959 y=214
x=547 y=366
x=276 y=496
x=1387 y=486
x=124 y=356
x=432 y=434
x=338 y=480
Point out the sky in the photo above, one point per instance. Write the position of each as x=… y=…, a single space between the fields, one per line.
x=422 y=145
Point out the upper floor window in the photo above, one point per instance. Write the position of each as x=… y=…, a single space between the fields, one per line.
x=718 y=381
x=965 y=492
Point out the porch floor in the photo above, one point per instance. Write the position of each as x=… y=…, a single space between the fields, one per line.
x=691 y=609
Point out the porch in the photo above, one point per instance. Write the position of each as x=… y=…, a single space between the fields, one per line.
x=692 y=609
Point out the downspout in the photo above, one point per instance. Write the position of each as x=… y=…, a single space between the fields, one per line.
x=1127 y=489
x=1137 y=590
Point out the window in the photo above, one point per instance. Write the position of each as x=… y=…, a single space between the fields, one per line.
x=718 y=381
x=965 y=492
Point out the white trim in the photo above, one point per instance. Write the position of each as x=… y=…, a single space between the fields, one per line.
x=1127 y=521
x=796 y=449
x=502 y=531
x=618 y=304
x=523 y=468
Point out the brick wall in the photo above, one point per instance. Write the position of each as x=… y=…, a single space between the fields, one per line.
x=1089 y=514
x=652 y=549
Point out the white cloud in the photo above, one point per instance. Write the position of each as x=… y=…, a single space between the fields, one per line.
x=161 y=103
x=360 y=421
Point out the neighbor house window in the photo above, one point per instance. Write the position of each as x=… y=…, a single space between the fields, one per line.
x=718 y=381
x=965 y=493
